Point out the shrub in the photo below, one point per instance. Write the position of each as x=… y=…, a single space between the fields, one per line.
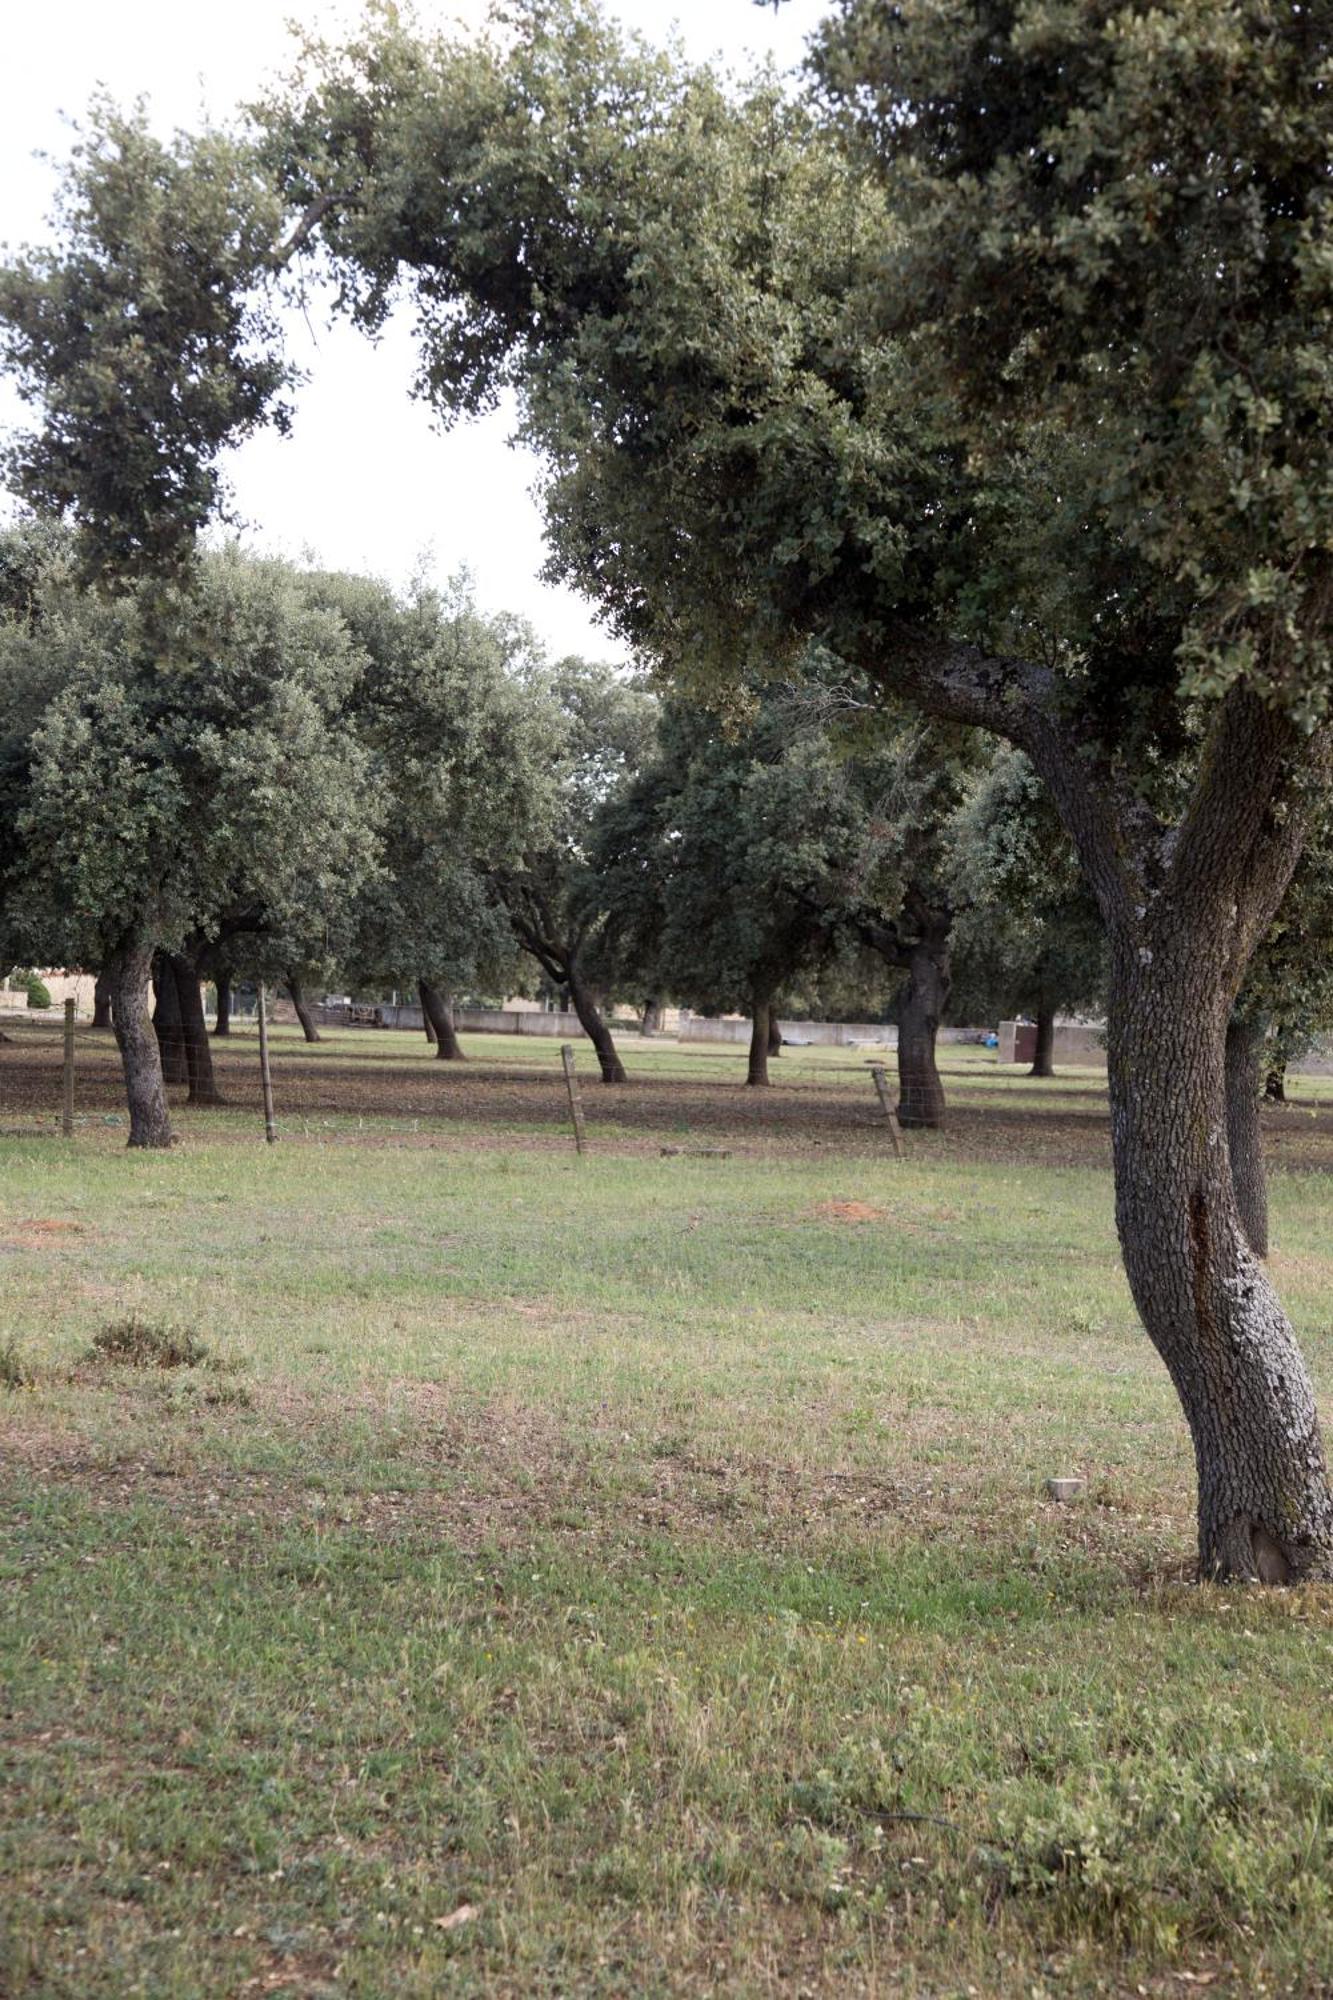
x=38 y=996
x=140 y=1343
x=14 y=1371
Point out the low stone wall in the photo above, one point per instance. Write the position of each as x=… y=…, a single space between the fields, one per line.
x=797 y=1034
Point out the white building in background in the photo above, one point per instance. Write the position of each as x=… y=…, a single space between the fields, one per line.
x=61 y=985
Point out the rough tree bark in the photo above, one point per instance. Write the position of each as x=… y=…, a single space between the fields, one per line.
x=194 y=1030
x=1244 y=1069
x=594 y=1027
x=760 y=1018
x=1043 y=1057
x=130 y=975
x=102 y=1002
x=920 y=1090
x=438 y=1011
x=222 y=1025
x=167 y=1023
x=303 y=1014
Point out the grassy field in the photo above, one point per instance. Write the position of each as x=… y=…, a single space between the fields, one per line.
x=628 y=1575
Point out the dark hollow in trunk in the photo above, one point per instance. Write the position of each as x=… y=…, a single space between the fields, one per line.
x=1265 y=1511
x=920 y=1008
x=651 y=1024
x=222 y=1025
x=194 y=1031
x=760 y=1024
x=595 y=1028
x=303 y=1014
x=1244 y=1069
x=774 y=1034
x=1043 y=1056
x=130 y=976
x=167 y=1023
x=1275 y=1084
x=102 y=1002
x=438 y=1011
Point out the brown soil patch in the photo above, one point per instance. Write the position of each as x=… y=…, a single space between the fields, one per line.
x=850 y=1211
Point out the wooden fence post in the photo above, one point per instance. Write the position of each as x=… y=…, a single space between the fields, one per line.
x=575 y=1101
x=265 y=1073
x=67 y=1107
x=885 y=1096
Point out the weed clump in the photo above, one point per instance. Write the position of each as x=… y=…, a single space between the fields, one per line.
x=142 y=1343
x=14 y=1370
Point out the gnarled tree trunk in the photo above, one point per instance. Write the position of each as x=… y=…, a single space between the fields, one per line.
x=102 y=1002
x=1043 y=1056
x=167 y=1023
x=222 y=1025
x=194 y=1031
x=1244 y=1068
x=920 y=1090
x=303 y=1013
x=595 y=1028
x=757 y=1068
x=1265 y=1509
x=439 y=1013
x=130 y=977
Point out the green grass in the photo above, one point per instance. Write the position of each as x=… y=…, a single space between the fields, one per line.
x=647 y=1554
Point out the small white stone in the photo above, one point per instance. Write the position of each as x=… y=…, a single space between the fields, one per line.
x=1066 y=1489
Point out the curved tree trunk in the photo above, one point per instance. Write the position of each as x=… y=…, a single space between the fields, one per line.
x=1043 y=1057
x=760 y=1025
x=130 y=976
x=222 y=1025
x=438 y=1011
x=194 y=1031
x=1244 y=1068
x=1265 y=1510
x=920 y=1091
x=102 y=1002
x=651 y=1024
x=774 y=1034
x=303 y=1014
x=595 y=1028
x=167 y=1023
x=431 y=1036
x=1275 y=1084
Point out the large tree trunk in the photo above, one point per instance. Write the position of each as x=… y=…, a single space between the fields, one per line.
x=774 y=1034
x=760 y=1017
x=1265 y=1509
x=130 y=975
x=303 y=1013
x=1244 y=1068
x=595 y=1028
x=194 y=1031
x=1043 y=1056
x=651 y=1023
x=167 y=1023
x=222 y=1025
x=436 y=1007
x=920 y=1091
x=102 y=1002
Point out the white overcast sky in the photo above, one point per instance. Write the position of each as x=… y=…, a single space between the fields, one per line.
x=364 y=482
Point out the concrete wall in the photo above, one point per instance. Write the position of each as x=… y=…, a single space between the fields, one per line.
x=1075 y=1042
